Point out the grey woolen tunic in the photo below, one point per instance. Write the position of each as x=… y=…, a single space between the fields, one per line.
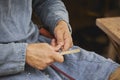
x=17 y=29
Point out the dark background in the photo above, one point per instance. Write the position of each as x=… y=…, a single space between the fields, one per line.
x=83 y=15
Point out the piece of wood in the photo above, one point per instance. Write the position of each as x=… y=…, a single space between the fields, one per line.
x=111 y=26
x=111 y=52
x=70 y=51
x=115 y=75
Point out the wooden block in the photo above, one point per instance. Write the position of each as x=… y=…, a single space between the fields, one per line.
x=111 y=26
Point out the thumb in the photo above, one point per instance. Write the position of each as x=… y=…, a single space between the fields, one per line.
x=58 y=57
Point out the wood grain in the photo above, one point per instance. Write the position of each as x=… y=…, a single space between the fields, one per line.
x=111 y=26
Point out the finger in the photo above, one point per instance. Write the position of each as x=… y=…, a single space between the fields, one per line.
x=55 y=46
x=58 y=47
x=60 y=39
x=68 y=43
x=58 y=57
x=53 y=42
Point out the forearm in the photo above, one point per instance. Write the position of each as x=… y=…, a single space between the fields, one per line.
x=12 y=58
x=51 y=12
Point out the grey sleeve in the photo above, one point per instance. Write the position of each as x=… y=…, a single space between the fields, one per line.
x=50 y=12
x=12 y=58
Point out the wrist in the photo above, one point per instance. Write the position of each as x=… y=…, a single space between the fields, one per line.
x=62 y=22
x=61 y=25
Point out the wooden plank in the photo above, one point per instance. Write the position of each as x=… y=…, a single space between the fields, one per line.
x=111 y=26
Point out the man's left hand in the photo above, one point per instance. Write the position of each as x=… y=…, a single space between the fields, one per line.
x=62 y=36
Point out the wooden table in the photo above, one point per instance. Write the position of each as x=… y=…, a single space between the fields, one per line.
x=111 y=26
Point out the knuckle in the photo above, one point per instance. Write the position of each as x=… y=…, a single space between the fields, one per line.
x=50 y=61
x=42 y=67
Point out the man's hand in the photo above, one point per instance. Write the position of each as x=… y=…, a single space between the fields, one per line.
x=62 y=35
x=41 y=55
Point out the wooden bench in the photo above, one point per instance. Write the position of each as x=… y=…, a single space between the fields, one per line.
x=111 y=26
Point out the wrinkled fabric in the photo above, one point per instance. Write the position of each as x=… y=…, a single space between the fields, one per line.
x=84 y=65
x=17 y=31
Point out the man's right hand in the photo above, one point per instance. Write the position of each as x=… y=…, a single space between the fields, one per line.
x=41 y=55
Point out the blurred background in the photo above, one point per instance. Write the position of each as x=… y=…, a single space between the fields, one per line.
x=83 y=15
